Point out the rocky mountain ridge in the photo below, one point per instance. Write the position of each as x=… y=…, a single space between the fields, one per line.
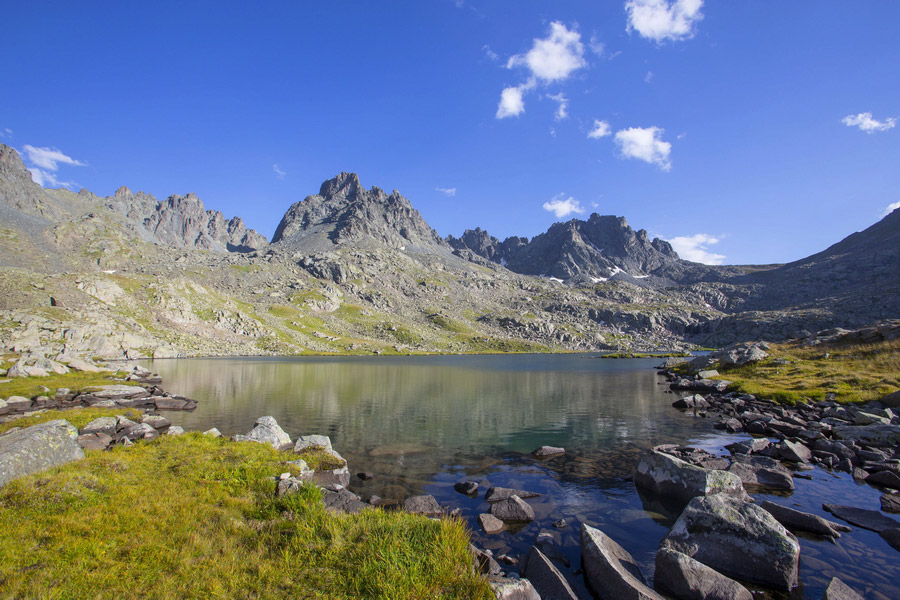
x=360 y=271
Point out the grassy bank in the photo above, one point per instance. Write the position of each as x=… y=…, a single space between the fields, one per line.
x=195 y=517
x=857 y=373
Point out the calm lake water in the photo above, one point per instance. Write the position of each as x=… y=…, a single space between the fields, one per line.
x=420 y=424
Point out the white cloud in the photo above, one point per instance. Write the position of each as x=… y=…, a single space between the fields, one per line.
x=694 y=248
x=279 y=173
x=44 y=164
x=490 y=53
x=659 y=20
x=562 y=206
x=562 y=109
x=648 y=77
x=645 y=144
x=6 y=133
x=866 y=123
x=449 y=192
x=596 y=46
x=890 y=208
x=601 y=129
x=555 y=57
x=511 y=104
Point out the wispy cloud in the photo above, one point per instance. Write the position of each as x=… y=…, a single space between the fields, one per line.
x=449 y=192
x=44 y=163
x=694 y=248
x=648 y=77
x=867 y=123
x=279 y=173
x=550 y=60
x=490 y=53
x=890 y=208
x=562 y=206
x=6 y=133
x=659 y=20
x=563 y=105
x=645 y=144
x=596 y=46
x=601 y=129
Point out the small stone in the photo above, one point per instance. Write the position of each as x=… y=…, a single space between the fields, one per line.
x=213 y=433
x=423 y=505
x=284 y=476
x=365 y=475
x=794 y=452
x=490 y=523
x=496 y=494
x=175 y=430
x=547 y=451
x=469 y=488
x=561 y=524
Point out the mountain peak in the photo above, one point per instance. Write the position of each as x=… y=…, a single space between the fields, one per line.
x=345 y=184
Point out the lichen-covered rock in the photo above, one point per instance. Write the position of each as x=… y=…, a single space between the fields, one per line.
x=267 y=431
x=105 y=425
x=36 y=448
x=305 y=442
x=610 y=569
x=681 y=576
x=672 y=477
x=738 y=539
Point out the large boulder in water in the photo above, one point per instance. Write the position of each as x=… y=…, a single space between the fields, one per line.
x=267 y=431
x=681 y=576
x=737 y=538
x=672 y=477
x=610 y=569
x=37 y=448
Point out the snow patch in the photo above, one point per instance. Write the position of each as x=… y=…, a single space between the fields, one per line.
x=555 y=279
x=640 y=276
x=599 y=279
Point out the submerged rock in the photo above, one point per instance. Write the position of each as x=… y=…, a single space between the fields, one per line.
x=738 y=539
x=496 y=494
x=37 y=448
x=547 y=451
x=838 y=590
x=867 y=519
x=795 y=519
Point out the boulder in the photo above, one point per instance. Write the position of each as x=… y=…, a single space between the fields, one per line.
x=18 y=403
x=762 y=472
x=156 y=421
x=105 y=425
x=36 y=448
x=546 y=578
x=681 y=576
x=94 y=441
x=496 y=494
x=330 y=477
x=214 y=433
x=484 y=562
x=891 y=400
x=175 y=430
x=78 y=364
x=313 y=441
x=423 y=505
x=267 y=431
x=513 y=509
x=867 y=519
x=468 y=488
x=506 y=588
x=738 y=539
x=341 y=500
x=877 y=434
x=672 y=477
x=119 y=392
x=885 y=478
x=891 y=536
x=610 y=570
x=797 y=520
x=169 y=403
x=890 y=503
x=838 y=590
x=794 y=452
x=490 y=523
x=547 y=451
x=695 y=401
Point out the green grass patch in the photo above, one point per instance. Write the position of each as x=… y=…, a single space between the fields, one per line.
x=857 y=373
x=76 y=381
x=196 y=517
x=449 y=324
x=79 y=417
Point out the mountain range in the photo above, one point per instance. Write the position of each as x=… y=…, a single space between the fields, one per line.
x=356 y=270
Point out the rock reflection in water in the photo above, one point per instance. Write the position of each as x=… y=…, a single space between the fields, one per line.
x=420 y=424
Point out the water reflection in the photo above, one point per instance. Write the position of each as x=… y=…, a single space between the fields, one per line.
x=422 y=423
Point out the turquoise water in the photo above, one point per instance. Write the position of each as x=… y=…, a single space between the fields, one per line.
x=419 y=424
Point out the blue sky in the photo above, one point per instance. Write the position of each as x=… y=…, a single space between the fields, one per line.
x=756 y=132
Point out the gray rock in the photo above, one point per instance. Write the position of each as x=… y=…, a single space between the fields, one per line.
x=484 y=562
x=877 y=434
x=215 y=433
x=513 y=509
x=546 y=578
x=890 y=503
x=156 y=421
x=496 y=494
x=105 y=425
x=94 y=441
x=761 y=472
x=175 y=430
x=468 y=488
x=267 y=431
x=547 y=451
x=37 y=448
x=328 y=477
x=867 y=519
x=891 y=536
x=681 y=576
x=118 y=392
x=78 y=364
x=141 y=431
x=490 y=523
x=838 y=590
x=794 y=452
x=694 y=401
x=891 y=400
x=797 y=520
x=18 y=403
x=313 y=441
x=506 y=588
x=288 y=485
x=885 y=478
x=423 y=505
x=610 y=569
x=342 y=500
x=707 y=374
x=738 y=539
x=672 y=477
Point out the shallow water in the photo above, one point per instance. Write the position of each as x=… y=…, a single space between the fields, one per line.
x=422 y=423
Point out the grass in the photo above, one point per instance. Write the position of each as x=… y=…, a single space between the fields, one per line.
x=857 y=373
x=195 y=517
x=76 y=381
x=79 y=417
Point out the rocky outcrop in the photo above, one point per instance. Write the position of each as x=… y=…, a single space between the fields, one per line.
x=738 y=539
x=36 y=448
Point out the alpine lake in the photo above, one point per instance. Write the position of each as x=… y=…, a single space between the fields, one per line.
x=420 y=424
